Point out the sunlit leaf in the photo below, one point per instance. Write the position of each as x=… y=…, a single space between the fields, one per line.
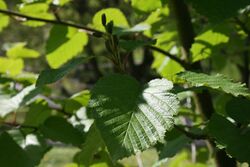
x=63 y=44
x=11 y=67
x=11 y=104
x=218 y=82
x=146 y=5
x=132 y=118
x=20 y=51
x=39 y=10
x=204 y=43
x=4 y=19
x=114 y=14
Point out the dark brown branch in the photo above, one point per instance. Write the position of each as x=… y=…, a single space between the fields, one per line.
x=18 y=126
x=191 y=135
x=173 y=57
x=90 y=31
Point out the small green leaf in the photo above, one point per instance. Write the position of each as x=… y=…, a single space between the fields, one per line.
x=58 y=129
x=39 y=10
x=38 y=112
x=204 y=43
x=217 y=82
x=63 y=44
x=146 y=5
x=11 y=154
x=132 y=118
x=90 y=147
x=77 y=101
x=11 y=67
x=19 y=51
x=173 y=146
x=4 y=19
x=53 y=75
x=112 y=14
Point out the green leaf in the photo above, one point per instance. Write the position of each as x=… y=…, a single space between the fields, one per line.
x=234 y=139
x=90 y=147
x=238 y=109
x=19 y=51
x=35 y=146
x=53 y=75
x=63 y=44
x=11 y=67
x=146 y=5
x=11 y=154
x=166 y=67
x=132 y=118
x=60 y=2
x=204 y=43
x=114 y=14
x=77 y=101
x=4 y=19
x=58 y=129
x=217 y=11
x=11 y=104
x=217 y=82
x=131 y=45
x=38 y=112
x=173 y=146
x=39 y=10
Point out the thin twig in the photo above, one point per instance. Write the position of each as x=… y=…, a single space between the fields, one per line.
x=173 y=57
x=90 y=31
x=16 y=125
x=191 y=135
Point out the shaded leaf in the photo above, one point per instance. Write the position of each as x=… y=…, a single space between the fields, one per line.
x=53 y=75
x=131 y=45
x=90 y=147
x=216 y=11
x=132 y=118
x=11 y=154
x=58 y=129
x=239 y=110
x=235 y=140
